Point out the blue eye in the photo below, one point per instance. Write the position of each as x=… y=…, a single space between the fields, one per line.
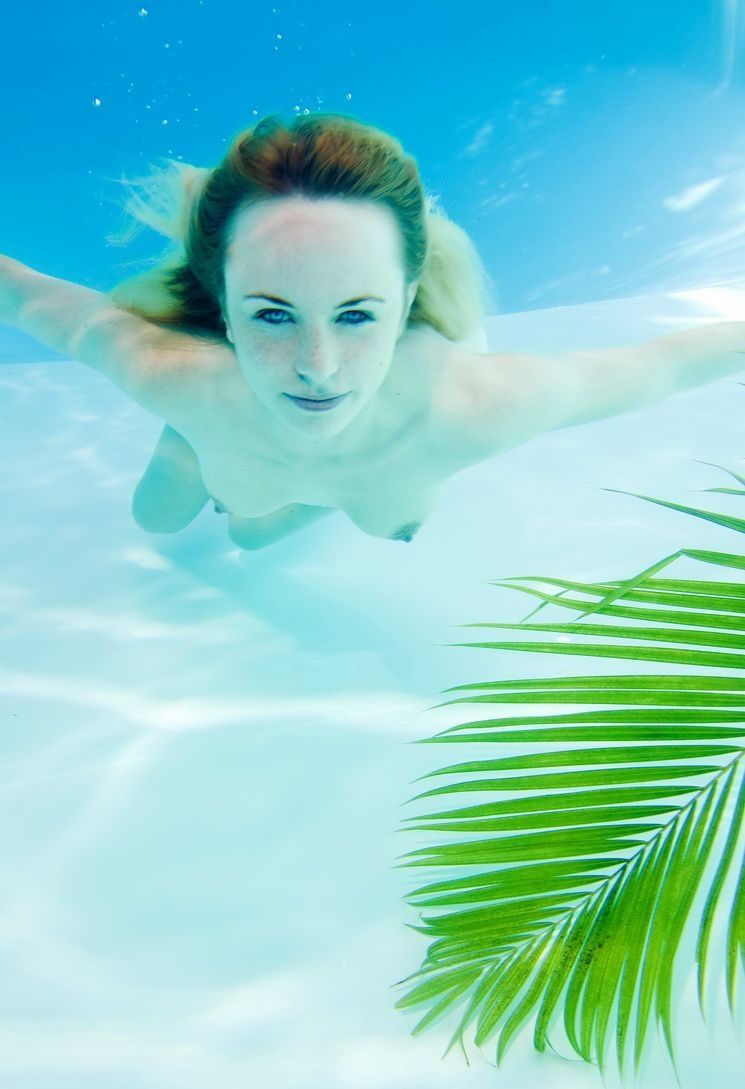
x=263 y=315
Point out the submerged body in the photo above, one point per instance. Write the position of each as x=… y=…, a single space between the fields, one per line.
x=438 y=409
x=387 y=482
x=323 y=396
x=316 y=306
x=312 y=269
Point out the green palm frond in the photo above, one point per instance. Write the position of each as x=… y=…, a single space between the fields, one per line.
x=598 y=851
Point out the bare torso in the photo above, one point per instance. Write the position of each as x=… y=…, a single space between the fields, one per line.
x=387 y=483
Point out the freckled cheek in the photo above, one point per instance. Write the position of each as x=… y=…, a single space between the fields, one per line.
x=272 y=362
x=262 y=359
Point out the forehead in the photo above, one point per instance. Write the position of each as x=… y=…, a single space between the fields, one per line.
x=286 y=230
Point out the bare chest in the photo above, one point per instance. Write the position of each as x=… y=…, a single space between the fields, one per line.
x=388 y=488
x=389 y=495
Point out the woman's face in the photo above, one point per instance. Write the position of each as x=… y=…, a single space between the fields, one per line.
x=315 y=301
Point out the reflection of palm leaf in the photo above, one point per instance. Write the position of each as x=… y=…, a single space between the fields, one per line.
x=583 y=875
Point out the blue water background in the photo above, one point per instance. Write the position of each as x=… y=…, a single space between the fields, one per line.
x=205 y=752
x=592 y=150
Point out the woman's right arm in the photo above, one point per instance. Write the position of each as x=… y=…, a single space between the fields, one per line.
x=86 y=325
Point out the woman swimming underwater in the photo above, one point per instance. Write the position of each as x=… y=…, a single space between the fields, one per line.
x=307 y=344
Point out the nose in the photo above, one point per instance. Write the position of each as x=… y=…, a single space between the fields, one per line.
x=318 y=360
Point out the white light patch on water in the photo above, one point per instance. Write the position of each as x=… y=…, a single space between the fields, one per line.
x=692 y=196
x=147 y=558
x=385 y=713
x=732 y=36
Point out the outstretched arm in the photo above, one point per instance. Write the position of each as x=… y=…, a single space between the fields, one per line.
x=86 y=325
x=514 y=396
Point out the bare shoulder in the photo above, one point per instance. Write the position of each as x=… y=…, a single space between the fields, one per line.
x=490 y=402
x=508 y=398
x=176 y=365
x=179 y=348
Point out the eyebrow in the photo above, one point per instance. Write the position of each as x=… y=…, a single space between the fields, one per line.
x=349 y=302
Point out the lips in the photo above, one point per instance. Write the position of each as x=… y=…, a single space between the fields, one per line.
x=317 y=404
x=299 y=397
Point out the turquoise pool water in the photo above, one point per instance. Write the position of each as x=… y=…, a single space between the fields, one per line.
x=205 y=751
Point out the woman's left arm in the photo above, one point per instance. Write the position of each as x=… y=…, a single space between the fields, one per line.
x=514 y=396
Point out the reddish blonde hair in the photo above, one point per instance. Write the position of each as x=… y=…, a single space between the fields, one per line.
x=317 y=155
